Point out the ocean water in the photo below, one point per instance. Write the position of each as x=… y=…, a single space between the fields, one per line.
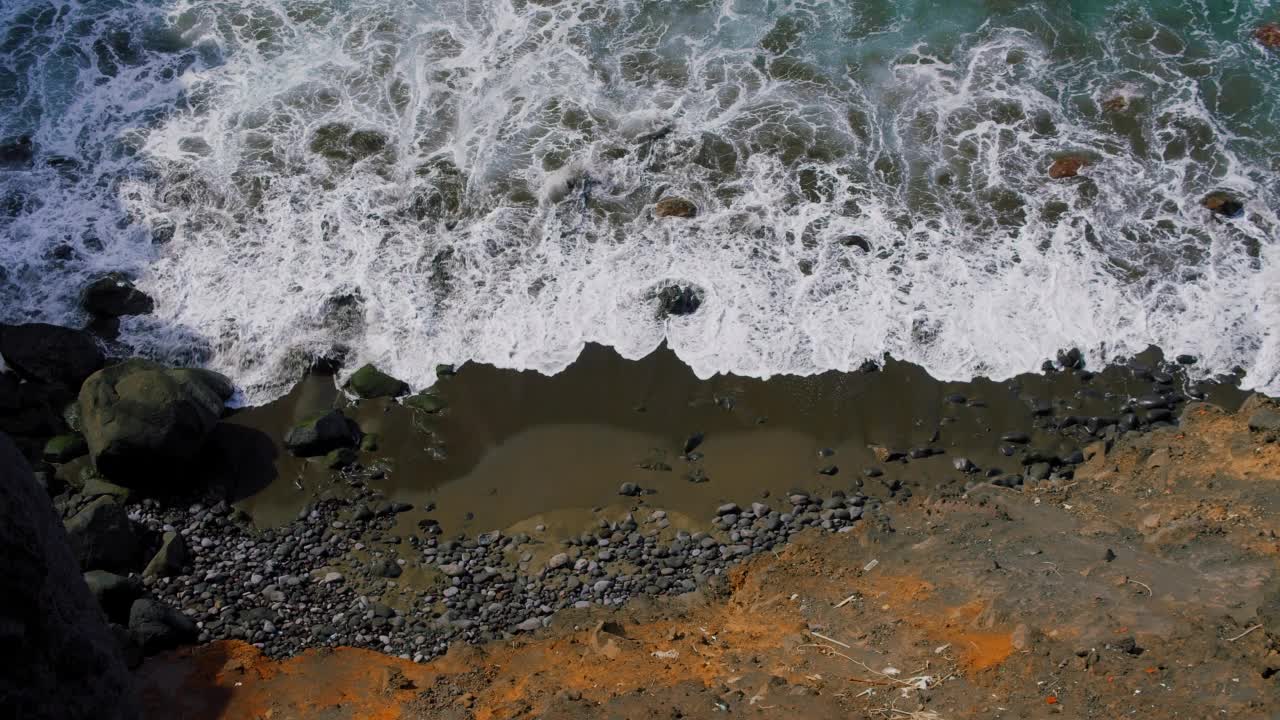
x=437 y=181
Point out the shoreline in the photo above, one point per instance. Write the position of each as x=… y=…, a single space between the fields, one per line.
x=512 y=496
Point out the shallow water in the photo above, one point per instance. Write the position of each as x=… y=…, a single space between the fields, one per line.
x=512 y=445
x=445 y=181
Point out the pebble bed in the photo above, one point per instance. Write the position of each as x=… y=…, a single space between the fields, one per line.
x=292 y=588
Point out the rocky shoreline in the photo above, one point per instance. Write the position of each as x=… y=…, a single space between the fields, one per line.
x=331 y=578
x=172 y=564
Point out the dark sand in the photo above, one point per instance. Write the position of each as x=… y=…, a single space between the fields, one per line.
x=515 y=446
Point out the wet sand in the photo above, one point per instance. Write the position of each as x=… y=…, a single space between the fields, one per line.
x=512 y=446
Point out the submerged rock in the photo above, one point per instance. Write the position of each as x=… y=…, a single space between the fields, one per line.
x=679 y=300
x=114 y=295
x=139 y=415
x=16 y=153
x=675 y=207
x=1269 y=35
x=1223 y=204
x=50 y=353
x=369 y=382
x=1067 y=166
x=322 y=434
x=426 y=402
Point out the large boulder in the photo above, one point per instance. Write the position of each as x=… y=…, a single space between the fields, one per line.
x=59 y=659
x=102 y=536
x=139 y=416
x=114 y=295
x=320 y=435
x=369 y=382
x=50 y=353
x=156 y=626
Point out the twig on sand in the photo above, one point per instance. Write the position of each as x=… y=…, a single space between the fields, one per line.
x=847 y=600
x=1135 y=582
x=914 y=682
x=1246 y=632
x=824 y=637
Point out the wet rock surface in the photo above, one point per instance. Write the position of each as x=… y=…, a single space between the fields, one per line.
x=114 y=295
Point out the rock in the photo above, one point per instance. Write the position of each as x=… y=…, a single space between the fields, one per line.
x=856 y=241
x=319 y=435
x=1020 y=438
x=102 y=537
x=49 y=353
x=530 y=625
x=629 y=489
x=60 y=659
x=426 y=402
x=1265 y=419
x=172 y=557
x=369 y=382
x=385 y=567
x=1071 y=359
x=16 y=153
x=558 y=561
x=672 y=206
x=693 y=442
x=678 y=300
x=1067 y=166
x=113 y=295
x=156 y=626
x=1115 y=103
x=64 y=448
x=340 y=458
x=1269 y=35
x=114 y=593
x=95 y=486
x=828 y=470
x=964 y=465
x=140 y=416
x=1224 y=204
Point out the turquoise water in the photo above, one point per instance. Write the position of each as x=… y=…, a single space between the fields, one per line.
x=423 y=182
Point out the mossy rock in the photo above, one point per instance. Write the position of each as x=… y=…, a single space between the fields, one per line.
x=369 y=382
x=426 y=402
x=139 y=416
x=340 y=459
x=369 y=443
x=64 y=448
x=96 y=486
x=322 y=434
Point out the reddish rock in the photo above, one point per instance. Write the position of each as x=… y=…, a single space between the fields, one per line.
x=1115 y=103
x=1066 y=167
x=675 y=207
x=1269 y=35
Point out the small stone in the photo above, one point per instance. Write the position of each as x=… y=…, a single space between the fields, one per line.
x=558 y=561
x=629 y=489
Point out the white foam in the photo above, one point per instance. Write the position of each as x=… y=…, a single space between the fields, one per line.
x=500 y=223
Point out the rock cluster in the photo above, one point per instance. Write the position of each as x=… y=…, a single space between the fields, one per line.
x=330 y=578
